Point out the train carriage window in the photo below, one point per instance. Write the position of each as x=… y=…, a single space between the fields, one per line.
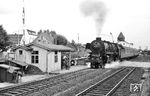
x=126 y=50
x=123 y=51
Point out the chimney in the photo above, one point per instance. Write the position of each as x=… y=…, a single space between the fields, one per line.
x=98 y=38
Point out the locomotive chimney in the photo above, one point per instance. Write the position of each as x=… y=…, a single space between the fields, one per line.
x=98 y=38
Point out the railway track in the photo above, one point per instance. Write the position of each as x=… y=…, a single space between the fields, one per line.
x=30 y=87
x=108 y=85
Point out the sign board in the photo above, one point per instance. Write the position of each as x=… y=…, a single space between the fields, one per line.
x=135 y=87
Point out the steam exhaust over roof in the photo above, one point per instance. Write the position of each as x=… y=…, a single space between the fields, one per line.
x=97 y=10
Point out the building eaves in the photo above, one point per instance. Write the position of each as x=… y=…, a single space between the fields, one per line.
x=22 y=47
x=52 y=47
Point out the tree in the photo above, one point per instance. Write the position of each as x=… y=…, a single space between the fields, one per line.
x=40 y=32
x=54 y=35
x=4 y=40
x=61 y=40
x=73 y=42
x=58 y=39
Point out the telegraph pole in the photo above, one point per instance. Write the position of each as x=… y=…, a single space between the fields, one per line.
x=23 y=22
x=78 y=45
x=78 y=38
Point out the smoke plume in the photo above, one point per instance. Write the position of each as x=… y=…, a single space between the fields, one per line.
x=96 y=9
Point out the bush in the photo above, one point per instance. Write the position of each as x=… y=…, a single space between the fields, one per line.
x=33 y=70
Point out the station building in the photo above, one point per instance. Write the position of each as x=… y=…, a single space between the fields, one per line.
x=42 y=52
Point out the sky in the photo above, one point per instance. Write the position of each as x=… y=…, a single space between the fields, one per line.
x=73 y=18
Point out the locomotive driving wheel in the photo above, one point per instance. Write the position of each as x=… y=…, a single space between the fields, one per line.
x=94 y=65
x=102 y=66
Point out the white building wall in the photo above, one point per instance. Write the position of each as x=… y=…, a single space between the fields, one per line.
x=45 y=63
x=25 y=57
x=52 y=65
x=59 y=60
x=28 y=57
x=42 y=58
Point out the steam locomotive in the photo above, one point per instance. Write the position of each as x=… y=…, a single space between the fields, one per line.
x=103 y=52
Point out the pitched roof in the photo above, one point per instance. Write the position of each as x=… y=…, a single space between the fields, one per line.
x=18 y=62
x=45 y=35
x=22 y=47
x=15 y=38
x=52 y=47
x=8 y=66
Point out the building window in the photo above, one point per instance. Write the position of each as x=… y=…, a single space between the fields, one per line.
x=56 y=56
x=20 y=52
x=35 y=57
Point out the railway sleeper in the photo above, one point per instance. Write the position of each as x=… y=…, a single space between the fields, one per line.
x=25 y=89
x=92 y=94
x=100 y=92
x=13 y=92
x=7 y=94
x=20 y=91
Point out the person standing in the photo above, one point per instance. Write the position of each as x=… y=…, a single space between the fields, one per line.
x=67 y=63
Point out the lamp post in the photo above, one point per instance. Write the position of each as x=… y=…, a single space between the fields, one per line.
x=23 y=21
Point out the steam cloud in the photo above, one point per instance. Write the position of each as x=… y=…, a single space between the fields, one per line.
x=3 y=12
x=97 y=9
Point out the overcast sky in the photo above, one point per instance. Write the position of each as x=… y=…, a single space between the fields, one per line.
x=70 y=17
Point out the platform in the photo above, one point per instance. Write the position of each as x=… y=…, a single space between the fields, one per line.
x=72 y=68
x=37 y=77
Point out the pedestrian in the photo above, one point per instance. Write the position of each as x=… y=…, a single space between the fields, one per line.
x=67 y=63
x=64 y=62
x=20 y=74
